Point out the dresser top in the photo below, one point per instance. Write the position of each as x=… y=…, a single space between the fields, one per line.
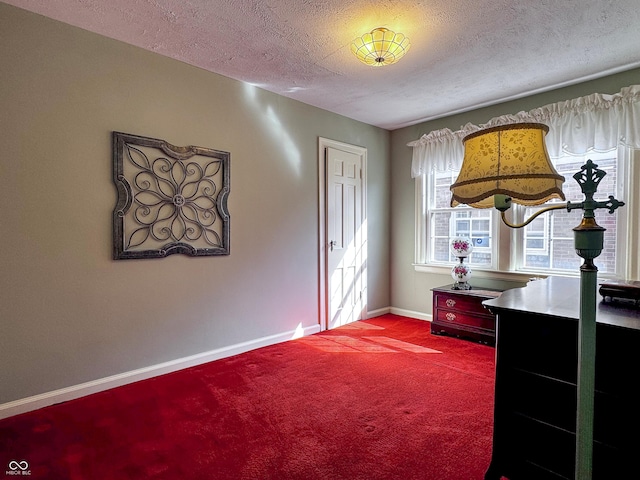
x=560 y=297
x=473 y=292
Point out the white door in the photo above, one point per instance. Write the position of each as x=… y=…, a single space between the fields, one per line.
x=345 y=237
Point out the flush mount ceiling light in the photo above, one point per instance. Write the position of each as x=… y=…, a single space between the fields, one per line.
x=380 y=47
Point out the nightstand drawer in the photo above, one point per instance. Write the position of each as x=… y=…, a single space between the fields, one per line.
x=461 y=303
x=465 y=319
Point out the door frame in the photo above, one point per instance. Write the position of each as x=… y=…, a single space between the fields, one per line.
x=323 y=241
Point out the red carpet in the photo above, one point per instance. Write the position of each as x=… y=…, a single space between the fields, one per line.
x=380 y=399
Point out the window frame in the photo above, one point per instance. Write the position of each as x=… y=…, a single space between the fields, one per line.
x=546 y=236
x=508 y=244
x=424 y=243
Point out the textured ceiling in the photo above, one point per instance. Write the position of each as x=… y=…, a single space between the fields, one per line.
x=464 y=54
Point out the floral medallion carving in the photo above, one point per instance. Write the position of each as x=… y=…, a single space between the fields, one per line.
x=170 y=199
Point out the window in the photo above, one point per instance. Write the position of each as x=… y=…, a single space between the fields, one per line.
x=537 y=236
x=548 y=240
x=593 y=123
x=444 y=222
x=544 y=246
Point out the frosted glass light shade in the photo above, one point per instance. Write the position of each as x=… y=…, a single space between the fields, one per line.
x=380 y=47
x=510 y=160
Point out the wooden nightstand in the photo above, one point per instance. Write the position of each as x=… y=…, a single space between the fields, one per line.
x=461 y=313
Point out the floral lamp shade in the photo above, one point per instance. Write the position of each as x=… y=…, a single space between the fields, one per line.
x=461 y=273
x=461 y=247
x=507 y=160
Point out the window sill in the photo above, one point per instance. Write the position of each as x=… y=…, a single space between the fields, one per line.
x=522 y=276
x=476 y=273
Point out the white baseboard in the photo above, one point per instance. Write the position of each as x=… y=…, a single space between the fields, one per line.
x=76 y=391
x=378 y=312
x=42 y=400
x=411 y=314
x=399 y=311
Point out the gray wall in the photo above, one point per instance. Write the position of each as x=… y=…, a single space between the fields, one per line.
x=68 y=312
x=410 y=290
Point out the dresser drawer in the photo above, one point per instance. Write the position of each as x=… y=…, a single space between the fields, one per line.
x=546 y=399
x=537 y=444
x=464 y=319
x=467 y=304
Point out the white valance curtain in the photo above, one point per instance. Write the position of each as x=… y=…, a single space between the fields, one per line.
x=597 y=122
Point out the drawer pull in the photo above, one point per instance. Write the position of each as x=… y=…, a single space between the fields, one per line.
x=450 y=303
x=450 y=316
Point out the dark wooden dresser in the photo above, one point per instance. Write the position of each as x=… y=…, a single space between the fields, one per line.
x=535 y=392
x=461 y=313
